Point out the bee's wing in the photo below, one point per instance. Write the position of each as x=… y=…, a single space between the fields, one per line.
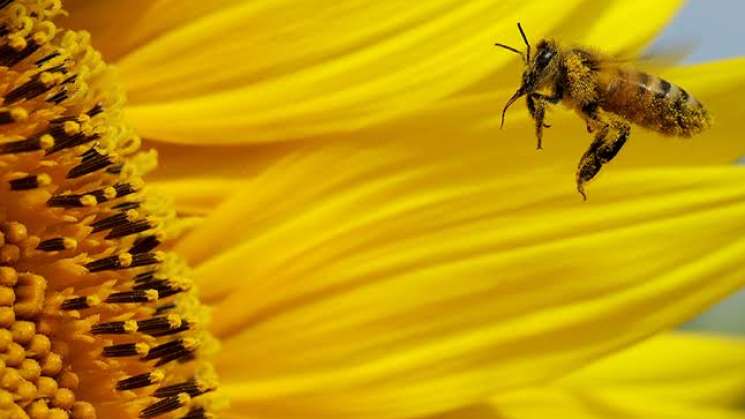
x=657 y=59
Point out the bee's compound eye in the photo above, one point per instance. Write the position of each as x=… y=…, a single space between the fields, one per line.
x=544 y=58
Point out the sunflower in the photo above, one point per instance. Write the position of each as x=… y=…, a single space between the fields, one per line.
x=370 y=245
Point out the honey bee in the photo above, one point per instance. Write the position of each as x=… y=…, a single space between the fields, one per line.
x=608 y=94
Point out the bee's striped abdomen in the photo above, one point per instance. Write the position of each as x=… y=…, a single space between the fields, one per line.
x=653 y=103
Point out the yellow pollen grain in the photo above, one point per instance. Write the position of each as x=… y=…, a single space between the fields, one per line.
x=7 y=296
x=16 y=42
x=9 y=254
x=93 y=300
x=69 y=380
x=69 y=244
x=125 y=259
x=83 y=410
x=57 y=413
x=130 y=326
x=38 y=410
x=11 y=379
x=88 y=200
x=30 y=370
x=8 y=276
x=39 y=346
x=26 y=391
x=52 y=364
x=151 y=295
x=71 y=127
x=14 y=355
x=6 y=338
x=157 y=376
x=18 y=114
x=43 y=179
x=47 y=386
x=46 y=141
x=142 y=348
x=23 y=331
x=15 y=232
x=47 y=78
x=7 y=317
x=64 y=398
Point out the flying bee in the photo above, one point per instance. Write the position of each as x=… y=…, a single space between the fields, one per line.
x=608 y=94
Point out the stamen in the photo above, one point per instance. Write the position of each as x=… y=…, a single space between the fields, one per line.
x=191 y=387
x=114 y=220
x=157 y=325
x=80 y=303
x=166 y=405
x=30 y=182
x=136 y=296
x=170 y=348
x=114 y=328
x=145 y=244
x=89 y=165
x=125 y=350
x=139 y=381
x=128 y=229
x=57 y=244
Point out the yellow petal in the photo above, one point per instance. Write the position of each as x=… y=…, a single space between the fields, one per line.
x=120 y=26
x=691 y=368
x=558 y=403
x=672 y=376
x=470 y=124
x=275 y=70
x=377 y=284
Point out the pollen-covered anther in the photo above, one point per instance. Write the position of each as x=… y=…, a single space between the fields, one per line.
x=126 y=350
x=134 y=296
x=80 y=303
x=57 y=244
x=141 y=380
x=114 y=328
x=30 y=182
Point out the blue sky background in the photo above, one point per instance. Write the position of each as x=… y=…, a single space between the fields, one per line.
x=716 y=28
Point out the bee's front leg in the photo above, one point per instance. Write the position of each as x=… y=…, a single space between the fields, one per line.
x=537 y=108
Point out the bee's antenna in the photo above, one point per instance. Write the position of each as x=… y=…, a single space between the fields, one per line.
x=525 y=38
x=507 y=47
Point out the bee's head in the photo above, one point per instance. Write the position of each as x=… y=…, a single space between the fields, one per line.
x=542 y=67
x=539 y=68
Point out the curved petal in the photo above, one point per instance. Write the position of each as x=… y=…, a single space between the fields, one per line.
x=264 y=71
x=705 y=369
x=379 y=284
x=558 y=403
x=705 y=379
x=457 y=126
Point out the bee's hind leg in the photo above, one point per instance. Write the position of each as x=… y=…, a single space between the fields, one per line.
x=601 y=151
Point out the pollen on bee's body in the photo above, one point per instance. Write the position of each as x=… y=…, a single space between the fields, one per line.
x=95 y=320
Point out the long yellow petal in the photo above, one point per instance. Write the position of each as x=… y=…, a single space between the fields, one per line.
x=470 y=125
x=688 y=367
x=274 y=70
x=672 y=376
x=557 y=403
x=377 y=284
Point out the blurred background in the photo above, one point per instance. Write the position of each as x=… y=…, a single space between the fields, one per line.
x=716 y=30
x=714 y=27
